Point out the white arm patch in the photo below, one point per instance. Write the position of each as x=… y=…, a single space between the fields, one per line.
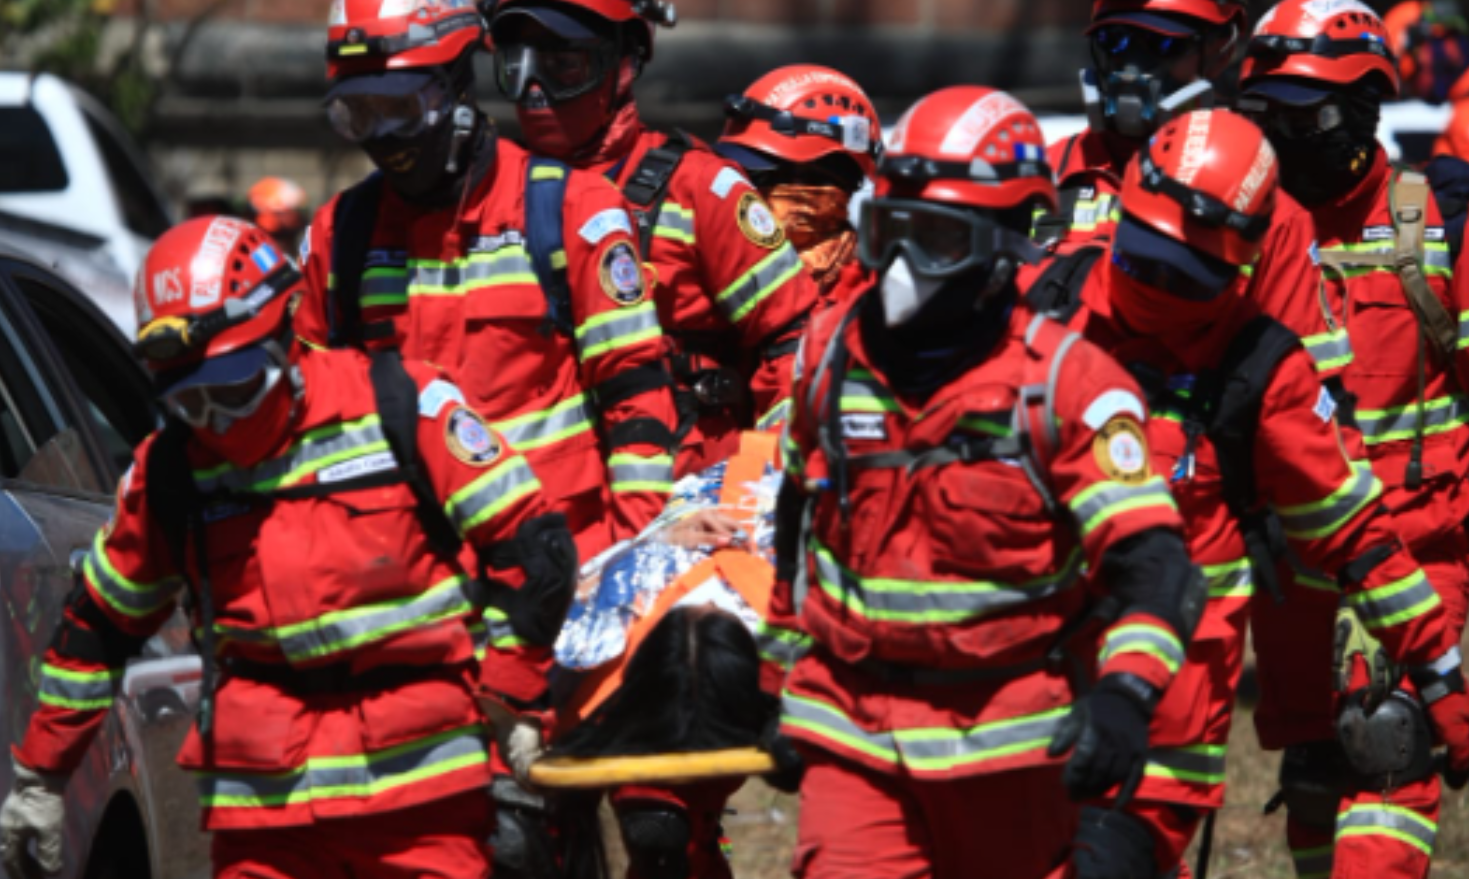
x=727 y=180
x=1112 y=404
x=436 y=396
x=604 y=224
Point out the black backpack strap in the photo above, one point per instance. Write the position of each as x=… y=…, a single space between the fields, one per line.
x=397 y=407
x=1237 y=391
x=353 y=221
x=647 y=186
x=1056 y=292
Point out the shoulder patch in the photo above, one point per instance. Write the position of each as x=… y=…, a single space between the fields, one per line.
x=758 y=223
x=726 y=180
x=604 y=224
x=1121 y=450
x=1325 y=405
x=621 y=276
x=470 y=439
x=435 y=396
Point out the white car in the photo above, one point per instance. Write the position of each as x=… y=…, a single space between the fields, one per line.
x=74 y=191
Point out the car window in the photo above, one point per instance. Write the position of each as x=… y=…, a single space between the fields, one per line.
x=35 y=444
x=141 y=209
x=115 y=392
x=29 y=159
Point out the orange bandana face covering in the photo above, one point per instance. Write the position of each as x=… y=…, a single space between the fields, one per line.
x=816 y=223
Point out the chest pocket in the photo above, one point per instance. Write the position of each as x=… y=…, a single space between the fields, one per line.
x=1377 y=308
x=508 y=339
x=986 y=520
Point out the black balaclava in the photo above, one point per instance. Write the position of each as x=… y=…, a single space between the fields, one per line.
x=1325 y=166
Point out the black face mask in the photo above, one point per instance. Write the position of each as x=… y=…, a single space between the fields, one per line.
x=428 y=168
x=1324 y=166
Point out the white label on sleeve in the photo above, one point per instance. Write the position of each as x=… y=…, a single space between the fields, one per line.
x=727 y=180
x=604 y=224
x=1111 y=404
x=1325 y=405
x=375 y=463
x=436 y=396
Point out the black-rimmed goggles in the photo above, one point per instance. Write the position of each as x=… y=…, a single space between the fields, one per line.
x=1272 y=48
x=939 y=241
x=917 y=170
x=854 y=133
x=1291 y=121
x=397 y=104
x=172 y=337
x=563 y=71
x=1114 y=46
x=1200 y=206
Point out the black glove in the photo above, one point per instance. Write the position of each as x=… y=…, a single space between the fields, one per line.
x=1109 y=729
x=546 y=552
x=1112 y=845
x=790 y=767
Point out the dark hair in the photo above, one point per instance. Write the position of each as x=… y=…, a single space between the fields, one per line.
x=693 y=685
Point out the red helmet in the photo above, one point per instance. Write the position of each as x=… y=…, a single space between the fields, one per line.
x=968 y=145
x=371 y=36
x=278 y=204
x=209 y=287
x=1206 y=179
x=802 y=113
x=1331 y=42
x=1154 y=14
x=642 y=14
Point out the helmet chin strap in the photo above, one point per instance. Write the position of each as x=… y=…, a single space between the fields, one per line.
x=464 y=116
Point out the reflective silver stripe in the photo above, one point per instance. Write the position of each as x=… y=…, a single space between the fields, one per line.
x=1436 y=256
x=1143 y=638
x=1092 y=212
x=498 y=631
x=318 y=449
x=490 y=494
x=345 y=630
x=509 y=266
x=536 y=429
x=1384 y=820
x=79 y=691
x=1234 y=579
x=675 y=222
x=1393 y=603
x=126 y=596
x=1330 y=350
x=634 y=473
x=1463 y=330
x=749 y=289
x=931 y=601
x=1313 y=863
x=862 y=392
x=782 y=646
x=935 y=749
x=1325 y=517
x=1401 y=422
x=1106 y=499
x=383 y=285
x=615 y=329
x=364 y=775
x=1196 y=764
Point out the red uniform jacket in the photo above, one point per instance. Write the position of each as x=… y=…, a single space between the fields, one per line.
x=730 y=288
x=959 y=567
x=346 y=580
x=1328 y=504
x=463 y=296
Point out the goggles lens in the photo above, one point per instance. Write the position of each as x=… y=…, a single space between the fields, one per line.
x=199 y=405
x=1291 y=122
x=1117 y=46
x=939 y=241
x=1167 y=277
x=563 y=71
x=360 y=117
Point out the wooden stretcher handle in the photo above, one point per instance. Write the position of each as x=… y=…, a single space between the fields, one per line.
x=594 y=772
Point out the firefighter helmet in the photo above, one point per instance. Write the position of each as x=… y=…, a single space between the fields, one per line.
x=1335 y=44
x=567 y=17
x=373 y=36
x=1163 y=15
x=801 y=113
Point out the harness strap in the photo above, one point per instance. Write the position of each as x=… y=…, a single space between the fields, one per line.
x=353 y=221
x=647 y=187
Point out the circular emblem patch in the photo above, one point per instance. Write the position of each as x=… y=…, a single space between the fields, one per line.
x=1122 y=451
x=621 y=276
x=758 y=223
x=469 y=439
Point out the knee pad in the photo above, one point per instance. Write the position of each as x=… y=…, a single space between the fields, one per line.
x=1112 y=845
x=1311 y=783
x=521 y=844
x=657 y=839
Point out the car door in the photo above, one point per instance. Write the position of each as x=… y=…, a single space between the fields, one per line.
x=72 y=406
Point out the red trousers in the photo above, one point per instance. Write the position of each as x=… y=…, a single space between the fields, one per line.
x=448 y=839
x=1375 y=837
x=703 y=803
x=858 y=822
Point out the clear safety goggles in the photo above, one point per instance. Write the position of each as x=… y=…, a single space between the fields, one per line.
x=1289 y=121
x=170 y=338
x=360 y=116
x=201 y=405
x=563 y=71
x=939 y=241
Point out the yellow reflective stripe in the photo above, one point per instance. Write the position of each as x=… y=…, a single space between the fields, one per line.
x=509 y=265
x=611 y=330
x=1327 y=516
x=128 y=597
x=1107 y=499
x=631 y=473
x=750 y=289
x=534 y=430
x=1394 y=602
x=1145 y=638
x=491 y=494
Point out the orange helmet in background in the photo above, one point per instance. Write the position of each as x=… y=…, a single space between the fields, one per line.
x=279 y=205
x=802 y=114
x=1207 y=179
x=1346 y=45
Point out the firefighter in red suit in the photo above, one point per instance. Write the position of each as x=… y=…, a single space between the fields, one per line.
x=337 y=733
x=1152 y=59
x=1314 y=78
x=809 y=139
x=1170 y=302
x=450 y=273
x=953 y=461
x=731 y=291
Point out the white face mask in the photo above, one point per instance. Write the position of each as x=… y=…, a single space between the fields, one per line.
x=904 y=293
